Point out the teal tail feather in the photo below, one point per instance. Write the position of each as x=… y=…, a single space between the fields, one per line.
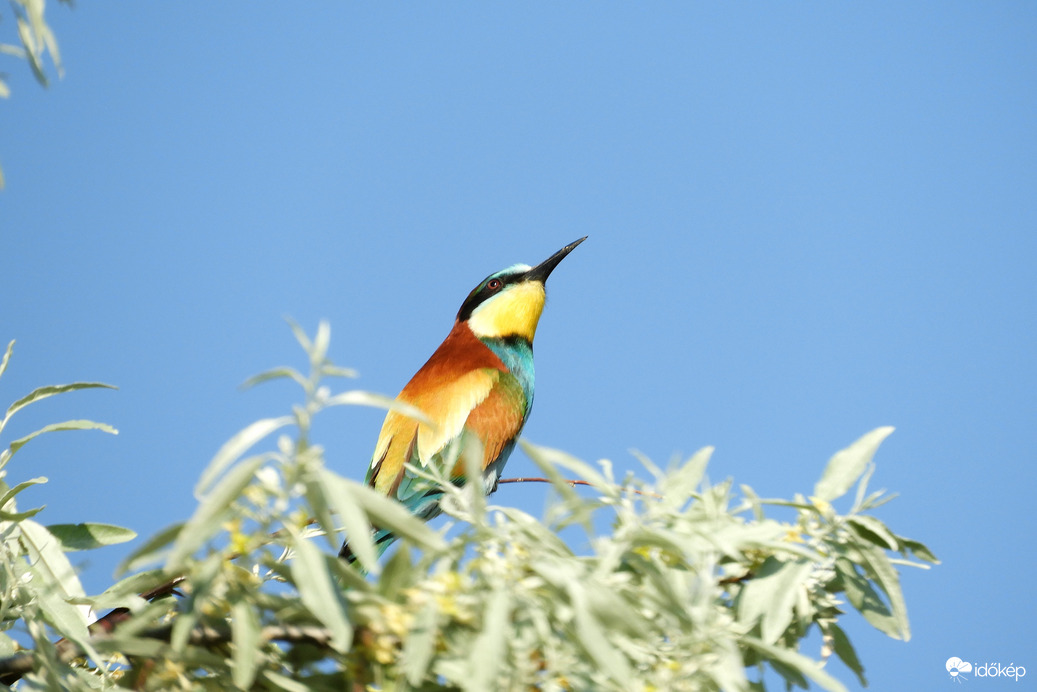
x=424 y=507
x=382 y=540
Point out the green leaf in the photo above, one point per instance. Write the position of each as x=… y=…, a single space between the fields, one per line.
x=793 y=676
x=874 y=531
x=888 y=579
x=246 y=632
x=52 y=47
x=319 y=506
x=472 y=455
x=339 y=493
x=66 y=425
x=657 y=473
x=846 y=466
x=52 y=390
x=300 y=335
x=321 y=341
x=862 y=488
x=205 y=522
x=150 y=551
x=67 y=619
x=582 y=469
x=592 y=637
x=844 y=650
x=616 y=614
x=286 y=683
x=19 y=516
x=7 y=357
x=753 y=501
x=8 y=646
x=89 y=536
x=183 y=625
x=546 y=540
x=126 y=592
x=420 y=644
x=320 y=593
x=131 y=647
x=917 y=549
x=45 y=551
x=32 y=50
x=490 y=646
x=770 y=596
x=679 y=486
x=54 y=583
x=9 y=495
x=797 y=662
x=867 y=601
x=805 y=506
x=206 y=583
x=233 y=448
x=275 y=374
x=358 y=397
x=558 y=481
x=329 y=370
x=397 y=573
x=386 y=513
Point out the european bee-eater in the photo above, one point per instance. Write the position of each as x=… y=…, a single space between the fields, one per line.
x=478 y=382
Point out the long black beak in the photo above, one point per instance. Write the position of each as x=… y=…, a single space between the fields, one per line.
x=544 y=269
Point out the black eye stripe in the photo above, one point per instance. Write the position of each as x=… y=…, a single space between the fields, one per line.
x=486 y=289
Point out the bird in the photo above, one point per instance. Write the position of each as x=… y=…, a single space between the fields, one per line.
x=479 y=382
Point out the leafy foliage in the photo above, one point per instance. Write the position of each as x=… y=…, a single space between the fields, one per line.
x=664 y=582
x=39 y=589
x=35 y=42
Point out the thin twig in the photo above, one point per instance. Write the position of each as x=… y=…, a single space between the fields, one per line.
x=206 y=635
x=573 y=483
x=736 y=580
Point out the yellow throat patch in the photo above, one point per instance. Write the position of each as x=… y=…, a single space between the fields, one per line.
x=513 y=312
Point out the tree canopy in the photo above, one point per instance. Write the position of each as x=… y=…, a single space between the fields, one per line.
x=663 y=581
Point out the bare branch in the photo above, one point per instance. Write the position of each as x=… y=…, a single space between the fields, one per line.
x=14 y=667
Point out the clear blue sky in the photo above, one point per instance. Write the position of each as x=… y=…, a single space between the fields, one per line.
x=805 y=221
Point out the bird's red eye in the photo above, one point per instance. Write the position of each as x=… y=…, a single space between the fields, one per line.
x=493 y=284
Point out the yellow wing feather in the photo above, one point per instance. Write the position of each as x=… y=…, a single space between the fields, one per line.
x=458 y=377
